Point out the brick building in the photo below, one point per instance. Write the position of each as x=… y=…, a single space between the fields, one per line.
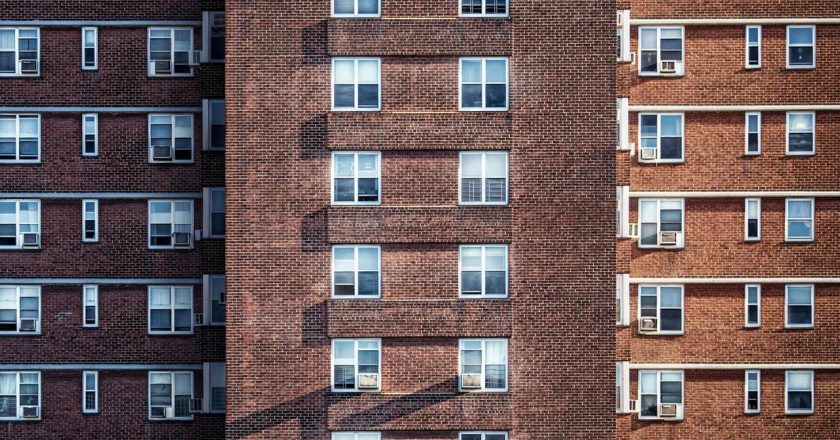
x=112 y=219
x=728 y=214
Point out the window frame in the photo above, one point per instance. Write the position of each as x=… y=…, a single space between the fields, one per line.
x=17 y=159
x=747 y=219
x=681 y=409
x=622 y=283
x=483 y=434
x=659 y=137
x=484 y=177
x=207 y=123
x=748 y=304
x=680 y=71
x=483 y=294
x=208 y=212
x=788 y=46
x=483 y=13
x=813 y=306
x=356 y=84
x=747 y=133
x=172 y=29
x=356 y=434
x=355 y=365
x=172 y=223
x=172 y=309
x=18 y=72
x=747 y=374
x=812 y=219
x=623 y=36
x=484 y=83
x=356 y=178
x=172 y=138
x=750 y=44
x=207 y=368
x=95 y=289
x=208 y=20
x=356 y=13
x=95 y=134
x=18 y=406
x=813 y=134
x=483 y=373
x=172 y=374
x=680 y=244
x=18 y=240
x=658 y=287
x=356 y=248
x=95 y=391
x=85 y=211
x=95 y=48
x=38 y=320
x=788 y=410
x=207 y=299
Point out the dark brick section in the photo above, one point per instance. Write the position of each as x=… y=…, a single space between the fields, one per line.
x=110 y=10
x=730 y=9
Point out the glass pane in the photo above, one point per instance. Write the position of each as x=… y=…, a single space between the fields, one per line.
x=801 y=142
x=470 y=71
x=471 y=96
x=344 y=190
x=802 y=56
x=368 y=258
x=648 y=39
x=344 y=72
x=671 y=33
x=800 y=122
x=649 y=124
x=495 y=283
x=496 y=165
x=29 y=127
x=343 y=259
x=670 y=148
x=801 y=36
x=343 y=7
x=671 y=320
x=368 y=190
x=496 y=71
x=799 y=315
x=670 y=297
x=368 y=72
x=798 y=381
x=471 y=257
x=799 y=400
x=368 y=6
x=649 y=61
x=344 y=350
x=648 y=383
x=471 y=283
x=369 y=283
x=799 y=295
x=671 y=126
x=183 y=39
x=753 y=34
x=495 y=257
x=368 y=96
x=160 y=320
x=496 y=95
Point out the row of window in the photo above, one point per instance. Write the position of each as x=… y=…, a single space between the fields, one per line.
x=471 y=435
x=661 y=310
x=170 y=49
x=371 y=8
x=171 y=394
x=661 y=393
x=662 y=221
x=662 y=49
x=357 y=366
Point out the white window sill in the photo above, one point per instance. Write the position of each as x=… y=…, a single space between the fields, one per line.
x=170 y=333
x=357 y=16
x=662 y=419
x=21 y=162
x=661 y=333
x=804 y=153
x=351 y=109
x=799 y=240
x=812 y=67
x=799 y=327
x=483 y=204
x=480 y=109
x=483 y=15
x=799 y=413
x=661 y=75
x=377 y=391
x=661 y=161
x=673 y=248
x=181 y=75
x=479 y=297
x=356 y=297
x=171 y=419
x=483 y=391
x=356 y=203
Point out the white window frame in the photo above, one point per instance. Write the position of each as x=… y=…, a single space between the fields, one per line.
x=356 y=434
x=484 y=177
x=356 y=83
x=171 y=309
x=747 y=304
x=356 y=271
x=356 y=13
x=622 y=385
x=680 y=244
x=172 y=395
x=680 y=64
x=207 y=123
x=788 y=410
x=95 y=391
x=622 y=294
x=356 y=177
x=18 y=233
x=659 y=158
x=484 y=83
x=622 y=195
x=172 y=223
x=788 y=219
x=484 y=342
x=659 y=373
x=787 y=306
x=623 y=124
x=355 y=364
x=658 y=287
x=747 y=202
x=208 y=211
x=483 y=270
x=623 y=33
x=813 y=134
x=95 y=204
x=208 y=20
x=747 y=374
x=18 y=309
x=207 y=402
x=749 y=44
x=17 y=394
x=483 y=434
x=17 y=159
x=171 y=117
x=207 y=297
x=747 y=133
x=95 y=134
x=483 y=13
x=95 y=292
x=17 y=51
x=788 y=47
x=95 y=48
x=172 y=51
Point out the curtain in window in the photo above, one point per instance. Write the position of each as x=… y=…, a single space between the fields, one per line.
x=28 y=217
x=8 y=310
x=8 y=394
x=183 y=217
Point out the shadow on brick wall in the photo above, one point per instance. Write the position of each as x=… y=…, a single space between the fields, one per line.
x=313 y=231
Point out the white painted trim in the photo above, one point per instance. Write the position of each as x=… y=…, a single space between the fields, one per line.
x=813 y=47
x=484 y=342
x=623 y=199
x=731 y=194
x=747 y=46
x=95 y=48
x=484 y=83
x=741 y=366
x=115 y=367
x=95 y=134
x=172 y=393
x=173 y=213
x=659 y=331
x=747 y=116
x=812 y=218
x=356 y=248
x=355 y=107
x=102 y=195
x=654 y=108
x=747 y=391
x=659 y=138
x=95 y=390
x=172 y=30
x=356 y=177
x=483 y=294
x=813 y=132
x=355 y=365
x=729 y=21
x=171 y=308
x=483 y=177
x=626 y=55
x=112 y=281
x=622 y=285
x=680 y=70
x=95 y=220
x=104 y=23
x=747 y=202
x=747 y=323
x=96 y=305
x=733 y=280
x=356 y=13
x=812 y=304
x=172 y=137
x=623 y=124
x=95 y=109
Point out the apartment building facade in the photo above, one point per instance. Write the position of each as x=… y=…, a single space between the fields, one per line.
x=420 y=204
x=112 y=219
x=727 y=273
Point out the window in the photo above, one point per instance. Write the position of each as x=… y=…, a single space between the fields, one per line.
x=484 y=84
x=214 y=212
x=483 y=364
x=19 y=51
x=622 y=124
x=352 y=359
x=355 y=8
x=356 y=436
x=752 y=219
x=90 y=134
x=622 y=387
x=170 y=51
x=483 y=436
x=752 y=392
x=90 y=392
x=753 y=47
x=170 y=224
x=661 y=51
x=622 y=299
x=170 y=310
x=356 y=178
x=622 y=217
x=90 y=307
x=20 y=224
x=20 y=395
x=484 y=178
x=214 y=383
x=89 y=45
x=799 y=387
x=90 y=220
x=170 y=394
x=213 y=116
x=213 y=37
x=20 y=138
x=799 y=219
x=752 y=144
x=752 y=302
x=356 y=84
x=658 y=391
x=484 y=271
x=356 y=271
x=171 y=138
x=623 y=54
x=664 y=306
x=20 y=310
x=215 y=298
x=484 y=8
x=801 y=47
x=800 y=133
x=799 y=306
x=661 y=223
x=661 y=135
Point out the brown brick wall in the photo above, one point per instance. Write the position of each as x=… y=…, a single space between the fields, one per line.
x=728 y=9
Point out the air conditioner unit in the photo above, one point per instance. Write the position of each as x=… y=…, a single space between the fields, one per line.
x=29 y=67
x=161 y=152
x=668 y=409
x=30 y=239
x=28 y=325
x=160 y=412
x=633 y=406
x=633 y=230
x=29 y=412
x=471 y=381
x=669 y=238
x=182 y=239
x=195 y=58
x=646 y=154
x=647 y=325
x=668 y=66
x=196 y=406
x=368 y=381
x=198 y=319
x=161 y=67
x=619 y=22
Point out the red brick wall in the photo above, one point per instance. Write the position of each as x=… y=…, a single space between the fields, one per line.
x=728 y=9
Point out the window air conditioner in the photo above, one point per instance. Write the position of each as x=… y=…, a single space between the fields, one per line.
x=619 y=19
x=29 y=67
x=198 y=319
x=647 y=154
x=182 y=239
x=30 y=239
x=368 y=381
x=161 y=152
x=647 y=325
x=668 y=238
x=160 y=67
x=195 y=58
x=161 y=412
x=471 y=381
x=28 y=325
x=633 y=230
x=196 y=406
x=29 y=412
x=633 y=406
x=668 y=66
x=668 y=409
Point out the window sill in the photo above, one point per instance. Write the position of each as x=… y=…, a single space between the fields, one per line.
x=482 y=110
x=482 y=391
x=192 y=75
x=661 y=419
x=20 y=420
x=346 y=109
x=360 y=16
x=356 y=391
x=173 y=419
x=480 y=297
x=355 y=297
x=658 y=247
x=795 y=68
x=794 y=153
x=356 y=204
x=661 y=162
x=799 y=240
x=661 y=333
x=752 y=327
x=497 y=16
x=752 y=67
x=38 y=76
x=19 y=249
x=171 y=334
x=171 y=248
x=20 y=162
x=799 y=413
x=661 y=75
x=752 y=240
x=799 y=327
